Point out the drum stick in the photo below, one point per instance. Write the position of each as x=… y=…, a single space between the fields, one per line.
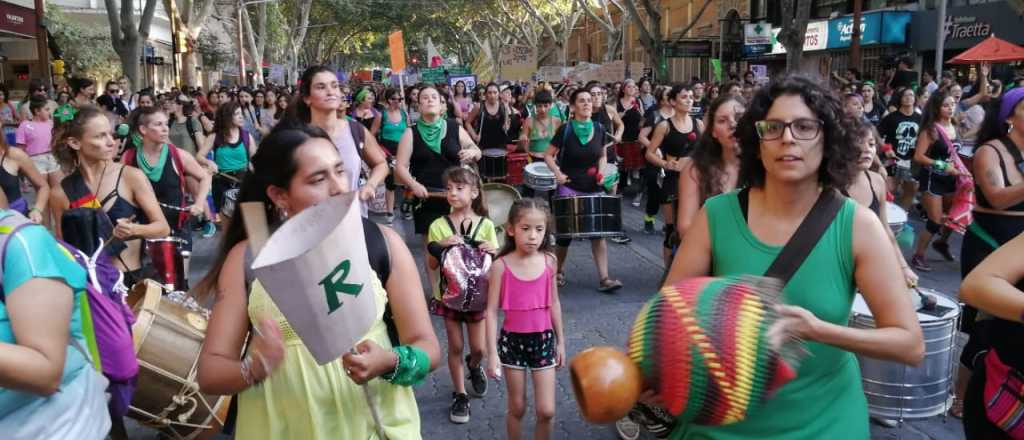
x=373 y=407
x=254 y=216
x=230 y=177
x=439 y=195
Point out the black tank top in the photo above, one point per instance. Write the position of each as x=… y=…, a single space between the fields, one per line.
x=9 y=182
x=427 y=166
x=982 y=201
x=492 y=128
x=632 y=120
x=875 y=206
x=168 y=192
x=938 y=150
x=601 y=117
x=676 y=143
x=579 y=161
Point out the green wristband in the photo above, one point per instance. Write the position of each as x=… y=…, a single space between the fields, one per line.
x=412 y=368
x=939 y=165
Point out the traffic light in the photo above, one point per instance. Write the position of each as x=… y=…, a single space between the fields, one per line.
x=58 y=67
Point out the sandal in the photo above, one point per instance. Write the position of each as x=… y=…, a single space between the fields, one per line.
x=561 y=279
x=609 y=285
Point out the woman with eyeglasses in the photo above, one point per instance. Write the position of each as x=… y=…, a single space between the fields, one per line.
x=321 y=103
x=795 y=146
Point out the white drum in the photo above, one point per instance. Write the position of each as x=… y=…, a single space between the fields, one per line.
x=539 y=177
x=896 y=216
x=897 y=391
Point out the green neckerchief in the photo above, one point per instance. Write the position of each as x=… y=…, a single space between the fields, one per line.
x=64 y=113
x=153 y=172
x=431 y=133
x=583 y=130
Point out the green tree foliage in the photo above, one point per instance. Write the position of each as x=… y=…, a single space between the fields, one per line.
x=86 y=50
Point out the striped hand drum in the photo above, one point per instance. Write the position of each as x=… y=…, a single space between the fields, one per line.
x=701 y=345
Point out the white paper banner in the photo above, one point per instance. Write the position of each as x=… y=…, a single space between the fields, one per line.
x=315 y=269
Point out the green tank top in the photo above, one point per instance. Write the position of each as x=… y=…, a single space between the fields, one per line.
x=231 y=157
x=540 y=144
x=392 y=131
x=826 y=400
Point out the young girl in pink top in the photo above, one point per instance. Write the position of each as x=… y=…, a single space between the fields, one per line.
x=522 y=283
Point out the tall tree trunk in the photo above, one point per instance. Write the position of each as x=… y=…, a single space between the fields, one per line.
x=126 y=38
x=194 y=14
x=650 y=33
x=795 y=14
x=256 y=40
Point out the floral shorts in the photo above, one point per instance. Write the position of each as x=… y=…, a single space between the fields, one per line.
x=535 y=351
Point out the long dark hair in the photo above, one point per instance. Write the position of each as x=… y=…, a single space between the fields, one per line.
x=466 y=176
x=297 y=108
x=75 y=128
x=992 y=127
x=839 y=158
x=273 y=165
x=224 y=120
x=519 y=207
x=932 y=110
x=707 y=156
x=79 y=83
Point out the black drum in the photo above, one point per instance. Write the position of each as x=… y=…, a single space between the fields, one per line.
x=493 y=164
x=591 y=216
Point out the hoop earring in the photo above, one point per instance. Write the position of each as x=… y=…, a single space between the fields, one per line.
x=1010 y=129
x=283 y=213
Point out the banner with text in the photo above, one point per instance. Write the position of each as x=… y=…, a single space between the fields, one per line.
x=518 y=63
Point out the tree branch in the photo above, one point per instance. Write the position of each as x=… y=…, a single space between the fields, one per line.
x=695 y=20
x=147 y=19
x=536 y=15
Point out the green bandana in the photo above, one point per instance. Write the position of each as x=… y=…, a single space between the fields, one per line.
x=361 y=95
x=64 y=113
x=153 y=172
x=583 y=130
x=431 y=132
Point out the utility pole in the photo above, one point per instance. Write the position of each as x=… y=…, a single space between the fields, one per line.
x=858 y=5
x=940 y=41
x=241 y=47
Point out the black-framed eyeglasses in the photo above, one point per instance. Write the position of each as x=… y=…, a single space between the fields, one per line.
x=803 y=129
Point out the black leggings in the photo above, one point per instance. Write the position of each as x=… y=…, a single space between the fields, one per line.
x=655 y=194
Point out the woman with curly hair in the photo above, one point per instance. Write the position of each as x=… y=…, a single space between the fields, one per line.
x=796 y=149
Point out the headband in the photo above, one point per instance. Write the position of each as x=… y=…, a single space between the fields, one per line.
x=1010 y=101
x=361 y=95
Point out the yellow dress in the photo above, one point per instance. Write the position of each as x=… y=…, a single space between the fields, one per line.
x=303 y=400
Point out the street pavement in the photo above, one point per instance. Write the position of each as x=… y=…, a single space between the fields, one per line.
x=591 y=318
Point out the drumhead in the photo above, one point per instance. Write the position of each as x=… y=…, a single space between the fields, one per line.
x=539 y=169
x=860 y=307
x=170 y=239
x=894 y=214
x=494 y=152
x=499 y=198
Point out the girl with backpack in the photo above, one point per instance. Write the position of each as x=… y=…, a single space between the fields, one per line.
x=522 y=284
x=48 y=389
x=282 y=392
x=464 y=193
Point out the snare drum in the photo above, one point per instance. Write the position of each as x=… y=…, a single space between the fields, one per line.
x=493 y=164
x=590 y=216
x=168 y=258
x=897 y=391
x=539 y=177
x=168 y=337
x=499 y=198
x=896 y=216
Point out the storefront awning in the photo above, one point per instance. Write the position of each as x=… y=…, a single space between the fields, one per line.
x=17 y=21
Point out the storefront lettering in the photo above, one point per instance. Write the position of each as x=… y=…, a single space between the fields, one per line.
x=959 y=27
x=846 y=30
x=16 y=19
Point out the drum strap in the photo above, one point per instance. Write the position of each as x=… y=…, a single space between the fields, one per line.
x=806 y=236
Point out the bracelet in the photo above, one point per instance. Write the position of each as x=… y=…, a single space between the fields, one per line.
x=412 y=367
x=939 y=165
x=34 y=209
x=247 y=370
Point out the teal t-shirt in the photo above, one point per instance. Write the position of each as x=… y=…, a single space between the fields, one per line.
x=392 y=131
x=33 y=253
x=232 y=157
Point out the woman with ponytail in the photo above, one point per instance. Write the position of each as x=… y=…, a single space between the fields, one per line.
x=295 y=168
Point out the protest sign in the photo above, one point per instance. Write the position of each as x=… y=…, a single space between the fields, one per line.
x=518 y=62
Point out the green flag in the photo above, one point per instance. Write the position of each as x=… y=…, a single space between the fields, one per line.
x=716 y=69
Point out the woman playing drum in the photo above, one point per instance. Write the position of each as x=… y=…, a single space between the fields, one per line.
x=85 y=148
x=540 y=128
x=576 y=154
x=796 y=145
x=294 y=169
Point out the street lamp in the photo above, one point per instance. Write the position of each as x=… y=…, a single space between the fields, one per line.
x=241 y=50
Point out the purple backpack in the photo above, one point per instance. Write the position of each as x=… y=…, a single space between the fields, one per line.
x=106 y=319
x=464 y=270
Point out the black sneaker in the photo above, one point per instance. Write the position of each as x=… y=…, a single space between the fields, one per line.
x=477 y=379
x=649 y=227
x=459 y=412
x=652 y=419
x=943 y=249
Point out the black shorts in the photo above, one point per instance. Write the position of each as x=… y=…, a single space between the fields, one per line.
x=935 y=183
x=425 y=211
x=535 y=351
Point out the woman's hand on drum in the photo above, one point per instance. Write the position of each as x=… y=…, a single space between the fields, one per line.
x=561 y=178
x=125 y=229
x=469 y=155
x=267 y=348
x=910 y=276
x=794 y=324
x=369 y=361
x=367 y=192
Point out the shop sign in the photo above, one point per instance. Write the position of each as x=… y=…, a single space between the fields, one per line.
x=688 y=49
x=757 y=33
x=889 y=27
x=816 y=38
x=17 y=20
x=966 y=26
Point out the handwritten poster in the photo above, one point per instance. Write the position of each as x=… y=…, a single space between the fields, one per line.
x=320 y=277
x=518 y=63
